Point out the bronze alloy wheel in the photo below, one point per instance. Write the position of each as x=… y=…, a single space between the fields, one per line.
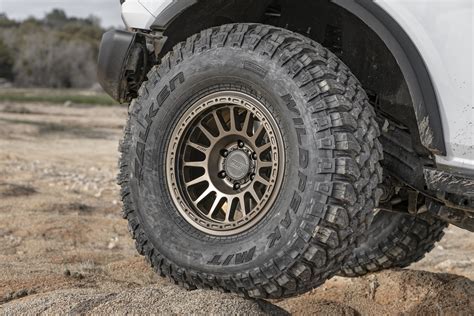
x=225 y=163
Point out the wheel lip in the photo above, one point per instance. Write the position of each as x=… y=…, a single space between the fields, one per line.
x=171 y=160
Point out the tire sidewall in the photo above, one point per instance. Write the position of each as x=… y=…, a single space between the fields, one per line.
x=161 y=106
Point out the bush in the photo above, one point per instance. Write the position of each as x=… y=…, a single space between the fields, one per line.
x=6 y=61
x=55 y=52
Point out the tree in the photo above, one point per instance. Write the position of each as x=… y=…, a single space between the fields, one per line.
x=6 y=61
x=6 y=22
x=56 y=51
x=56 y=18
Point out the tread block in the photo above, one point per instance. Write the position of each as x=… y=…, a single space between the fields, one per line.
x=271 y=289
x=342 y=165
x=315 y=254
x=333 y=102
x=286 y=281
x=327 y=236
x=301 y=271
x=343 y=119
x=337 y=215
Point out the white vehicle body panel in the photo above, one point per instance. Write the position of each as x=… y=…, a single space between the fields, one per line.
x=442 y=31
x=140 y=14
x=156 y=6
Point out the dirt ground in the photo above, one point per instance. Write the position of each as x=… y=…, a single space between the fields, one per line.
x=65 y=248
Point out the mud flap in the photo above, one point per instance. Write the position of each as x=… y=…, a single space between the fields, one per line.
x=123 y=63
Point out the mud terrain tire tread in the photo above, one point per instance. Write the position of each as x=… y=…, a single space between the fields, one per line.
x=411 y=238
x=328 y=233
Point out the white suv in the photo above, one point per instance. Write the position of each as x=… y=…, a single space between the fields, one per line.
x=272 y=144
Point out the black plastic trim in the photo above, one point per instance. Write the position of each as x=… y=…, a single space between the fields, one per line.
x=113 y=54
x=448 y=182
x=412 y=65
x=122 y=64
x=463 y=218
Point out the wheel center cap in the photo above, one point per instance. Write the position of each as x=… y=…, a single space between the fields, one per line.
x=237 y=165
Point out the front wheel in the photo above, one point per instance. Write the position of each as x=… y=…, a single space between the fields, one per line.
x=250 y=163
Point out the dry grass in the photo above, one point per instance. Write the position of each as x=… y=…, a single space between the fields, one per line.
x=55 y=96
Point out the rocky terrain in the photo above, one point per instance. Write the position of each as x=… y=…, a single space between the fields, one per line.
x=64 y=247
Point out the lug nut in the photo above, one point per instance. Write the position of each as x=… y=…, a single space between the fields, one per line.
x=222 y=174
x=236 y=186
x=252 y=176
x=254 y=156
x=241 y=144
x=224 y=153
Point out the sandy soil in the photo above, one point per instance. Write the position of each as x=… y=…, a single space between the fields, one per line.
x=65 y=248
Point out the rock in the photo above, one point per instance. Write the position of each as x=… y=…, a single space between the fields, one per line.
x=449 y=265
x=373 y=285
x=113 y=243
x=391 y=292
x=154 y=299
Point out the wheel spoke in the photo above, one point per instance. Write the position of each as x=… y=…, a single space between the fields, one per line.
x=245 y=125
x=208 y=134
x=253 y=194
x=219 y=125
x=194 y=164
x=265 y=164
x=263 y=148
x=231 y=208
x=232 y=118
x=204 y=195
x=213 y=208
x=262 y=180
x=257 y=133
x=242 y=204
x=204 y=150
x=197 y=180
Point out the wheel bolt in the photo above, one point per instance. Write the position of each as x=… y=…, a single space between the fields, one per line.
x=222 y=174
x=224 y=153
x=254 y=156
x=252 y=176
x=236 y=186
x=241 y=144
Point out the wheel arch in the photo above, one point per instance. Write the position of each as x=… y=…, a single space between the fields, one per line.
x=412 y=65
x=426 y=131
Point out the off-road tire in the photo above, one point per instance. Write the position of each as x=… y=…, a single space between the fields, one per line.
x=394 y=241
x=332 y=163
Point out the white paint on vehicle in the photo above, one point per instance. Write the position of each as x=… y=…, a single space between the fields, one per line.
x=156 y=6
x=140 y=14
x=443 y=32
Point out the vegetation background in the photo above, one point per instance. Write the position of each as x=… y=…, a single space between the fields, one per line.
x=56 y=51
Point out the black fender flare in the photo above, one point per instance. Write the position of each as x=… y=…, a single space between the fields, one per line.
x=412 y=65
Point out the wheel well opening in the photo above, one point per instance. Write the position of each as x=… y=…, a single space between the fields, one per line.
x=356 y=44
